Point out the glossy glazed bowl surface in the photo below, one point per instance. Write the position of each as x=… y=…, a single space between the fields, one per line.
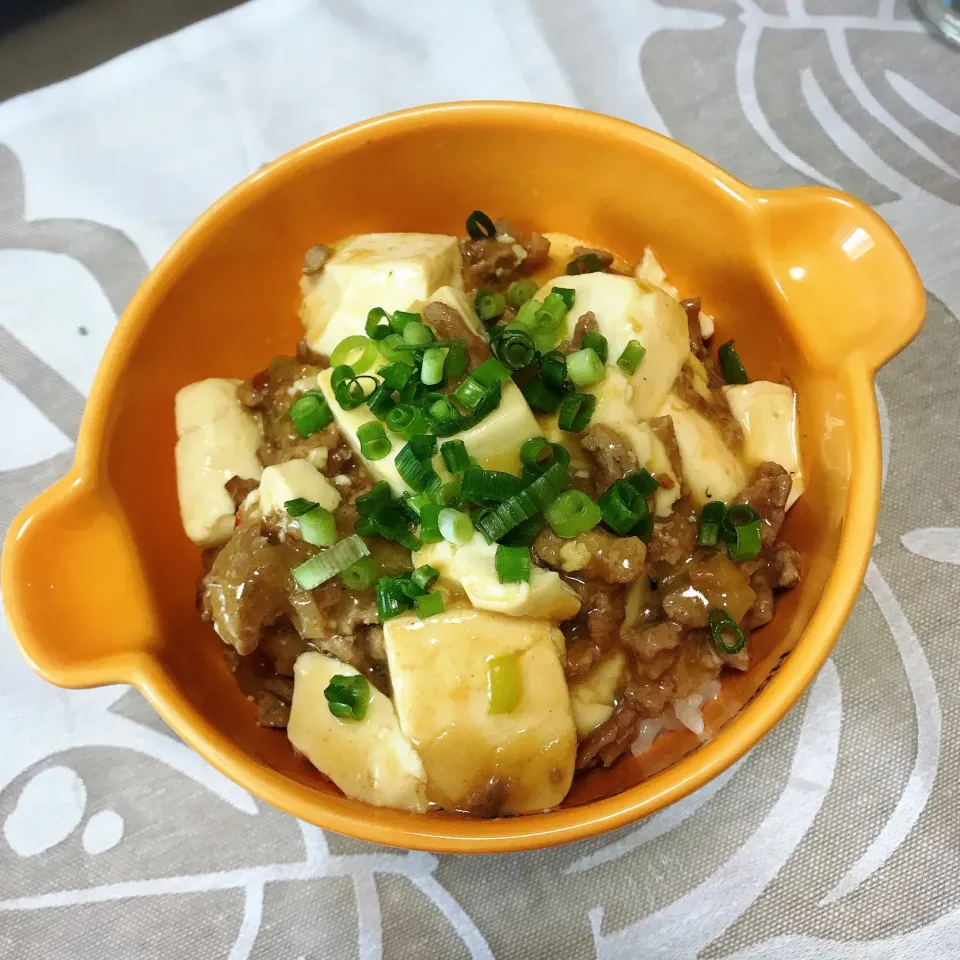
x=99 y=578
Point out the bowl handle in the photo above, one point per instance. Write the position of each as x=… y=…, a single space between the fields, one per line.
x=73 y=589
x=851 y=286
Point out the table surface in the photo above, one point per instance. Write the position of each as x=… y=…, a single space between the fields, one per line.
x=835 y=838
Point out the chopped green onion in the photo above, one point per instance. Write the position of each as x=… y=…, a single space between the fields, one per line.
x=348 y=389
x=457 y=360
x=480 y=226
x=644 y=529
x=537 y=454
x=711 y=517
x=318 y=527
x=629 y=360
x=310 y=413
x=425 y=576
x=514 y=348
x=455 y=455
x=431 y=371
x=437 y=408
x=584 y=367
x=469 y=392
x=449 y=495
x=401 y=318
x=553 y=370
x=392 y=600
x=417 y=472
x=722 y=625
x=622 y=507
x=643 y=482
x=412 y=392
x=572 y=513
x=394 y=348
x=364 y=349
x=740 y=513
x=395 y=375
x=488 y=487
x=323 y=566
x=520 y=291
x=526 y=317
x=456 y=527
x=430 y=523
x=748 y=541
x=731 y=364
x=576 y=411
x=374 y=328
x=523 y=505
x=360 y=575
x=299 y=506
x=541 y=397
x=489 y=372
x=381 y=401
x=374 y=444
x=596 y=342
x=489 y=306
x=585 y=263
x=348 y=697
x=417 y=334
x=566 y=294
x=504 y=683
x=376 y=498
x=429 y=605
x=552 y=311
x=523 y=534
x=406 y=421
x=512 y=564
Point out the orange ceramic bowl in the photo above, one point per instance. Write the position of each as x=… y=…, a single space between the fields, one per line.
x=98 y=576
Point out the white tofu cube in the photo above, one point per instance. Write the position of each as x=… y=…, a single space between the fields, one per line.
x=292 y=480
x=711 y=469
x=217 y=439
x=438 y=668
x=389 y=270
x=369 y=759
x=629 y=309
x=767 y=414
x=472 y=567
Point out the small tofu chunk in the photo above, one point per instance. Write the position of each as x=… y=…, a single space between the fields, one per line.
x=292 y=480
x=439 y=668
x=629 y=309
x=711 y=469
x=592 y=697
x=650 y=271
x=389 y=270
x=217 y=439
x=369 y=759
x=767 y=414
x=472 y=567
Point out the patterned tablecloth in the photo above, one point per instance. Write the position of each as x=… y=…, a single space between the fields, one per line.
x=836 y=838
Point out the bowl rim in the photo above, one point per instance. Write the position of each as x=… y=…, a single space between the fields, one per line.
x=439 y=833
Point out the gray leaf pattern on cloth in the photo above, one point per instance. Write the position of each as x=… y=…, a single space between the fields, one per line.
x=834 y=829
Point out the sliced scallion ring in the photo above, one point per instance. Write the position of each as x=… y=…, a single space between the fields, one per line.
x=480 y=226
x=724 y=631
x=730 y=364
x=323 y=566
x=357 y=352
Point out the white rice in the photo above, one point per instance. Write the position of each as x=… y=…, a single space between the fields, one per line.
x=682 y=712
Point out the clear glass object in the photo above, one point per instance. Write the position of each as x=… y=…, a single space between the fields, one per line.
x=944 y=15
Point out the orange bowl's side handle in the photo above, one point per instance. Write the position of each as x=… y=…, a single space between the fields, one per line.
x=850 y=285
x=72 y=587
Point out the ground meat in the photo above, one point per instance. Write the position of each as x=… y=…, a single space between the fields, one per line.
x=649 y=640
x=450 y=325
x=494 y=263
x=601 y=614
x=612 y=458
x=253 y=393
x=282 y=646
x=586 y=324
x=673 y=538
x=767 y=492
x=306 y=354
x=240 y=487
x=784 y=565
x=272 y=711
x=488 y=799
x=662 y=428
x=596 y=555
x=315 y=259
x=692 y=309
x=249 y=586
x=762 y=610
x=280 y=686
x=604 y=256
